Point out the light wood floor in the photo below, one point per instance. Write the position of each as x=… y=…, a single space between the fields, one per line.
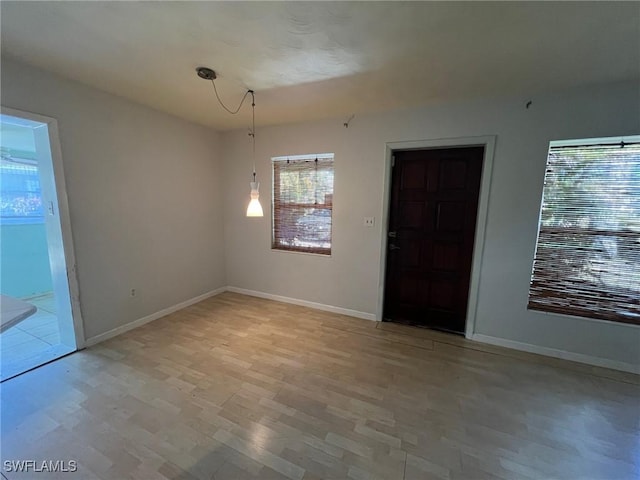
x=238 y=387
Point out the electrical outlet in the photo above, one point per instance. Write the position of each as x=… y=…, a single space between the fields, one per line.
x=133 y=292
x=369 y=221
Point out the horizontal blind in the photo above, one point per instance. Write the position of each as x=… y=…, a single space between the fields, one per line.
x=587 y=260
x=303 y=203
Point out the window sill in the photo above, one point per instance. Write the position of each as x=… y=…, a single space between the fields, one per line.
x=322 y=255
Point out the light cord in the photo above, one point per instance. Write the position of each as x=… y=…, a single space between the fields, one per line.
x=232 y=112
x=253 y=130
x=253 y=117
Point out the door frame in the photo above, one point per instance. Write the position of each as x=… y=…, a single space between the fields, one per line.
x=63 y=214
x=486 y=141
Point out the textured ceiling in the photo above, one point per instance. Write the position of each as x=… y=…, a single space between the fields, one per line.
x=311 y=60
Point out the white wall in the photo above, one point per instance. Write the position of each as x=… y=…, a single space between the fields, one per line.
x=144 y=193
x=350 y=278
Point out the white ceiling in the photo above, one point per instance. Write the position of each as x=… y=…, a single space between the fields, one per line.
x=311 y=60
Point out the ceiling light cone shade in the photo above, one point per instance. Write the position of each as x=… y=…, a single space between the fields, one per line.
x=254 y=209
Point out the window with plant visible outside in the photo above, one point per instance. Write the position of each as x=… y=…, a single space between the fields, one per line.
x=587 y=260
x=303 y=203
x=21 y=197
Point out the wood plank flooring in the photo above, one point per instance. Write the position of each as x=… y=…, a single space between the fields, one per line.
x=238 y=387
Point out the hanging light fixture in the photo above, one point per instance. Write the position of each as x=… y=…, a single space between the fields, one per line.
x=254 y=209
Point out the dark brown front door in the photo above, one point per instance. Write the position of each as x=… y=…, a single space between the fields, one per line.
x=432 y=223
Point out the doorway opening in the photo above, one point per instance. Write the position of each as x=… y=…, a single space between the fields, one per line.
x=432 y=218
x=37 y=317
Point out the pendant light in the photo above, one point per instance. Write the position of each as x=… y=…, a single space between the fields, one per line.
x=254 y=209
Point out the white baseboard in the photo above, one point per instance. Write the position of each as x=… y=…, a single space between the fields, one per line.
x=304 y=303
x=553 y=352
x=149 y=318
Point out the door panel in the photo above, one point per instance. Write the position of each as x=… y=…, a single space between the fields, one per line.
x=446 y=256
x=434 y=203
x=450 y=216
x=411 y=214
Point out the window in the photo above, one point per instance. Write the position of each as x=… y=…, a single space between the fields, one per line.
x=302 y=203
x=587 y=260
x=21 y=198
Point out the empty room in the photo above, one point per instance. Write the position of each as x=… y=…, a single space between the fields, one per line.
x=320 y=240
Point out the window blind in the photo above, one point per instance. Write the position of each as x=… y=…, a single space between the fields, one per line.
x=303 y=203
x=587 y=260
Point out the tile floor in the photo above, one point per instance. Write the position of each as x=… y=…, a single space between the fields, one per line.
x=33 y=340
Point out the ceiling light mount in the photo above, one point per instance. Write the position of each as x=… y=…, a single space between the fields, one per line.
x=206 y=73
